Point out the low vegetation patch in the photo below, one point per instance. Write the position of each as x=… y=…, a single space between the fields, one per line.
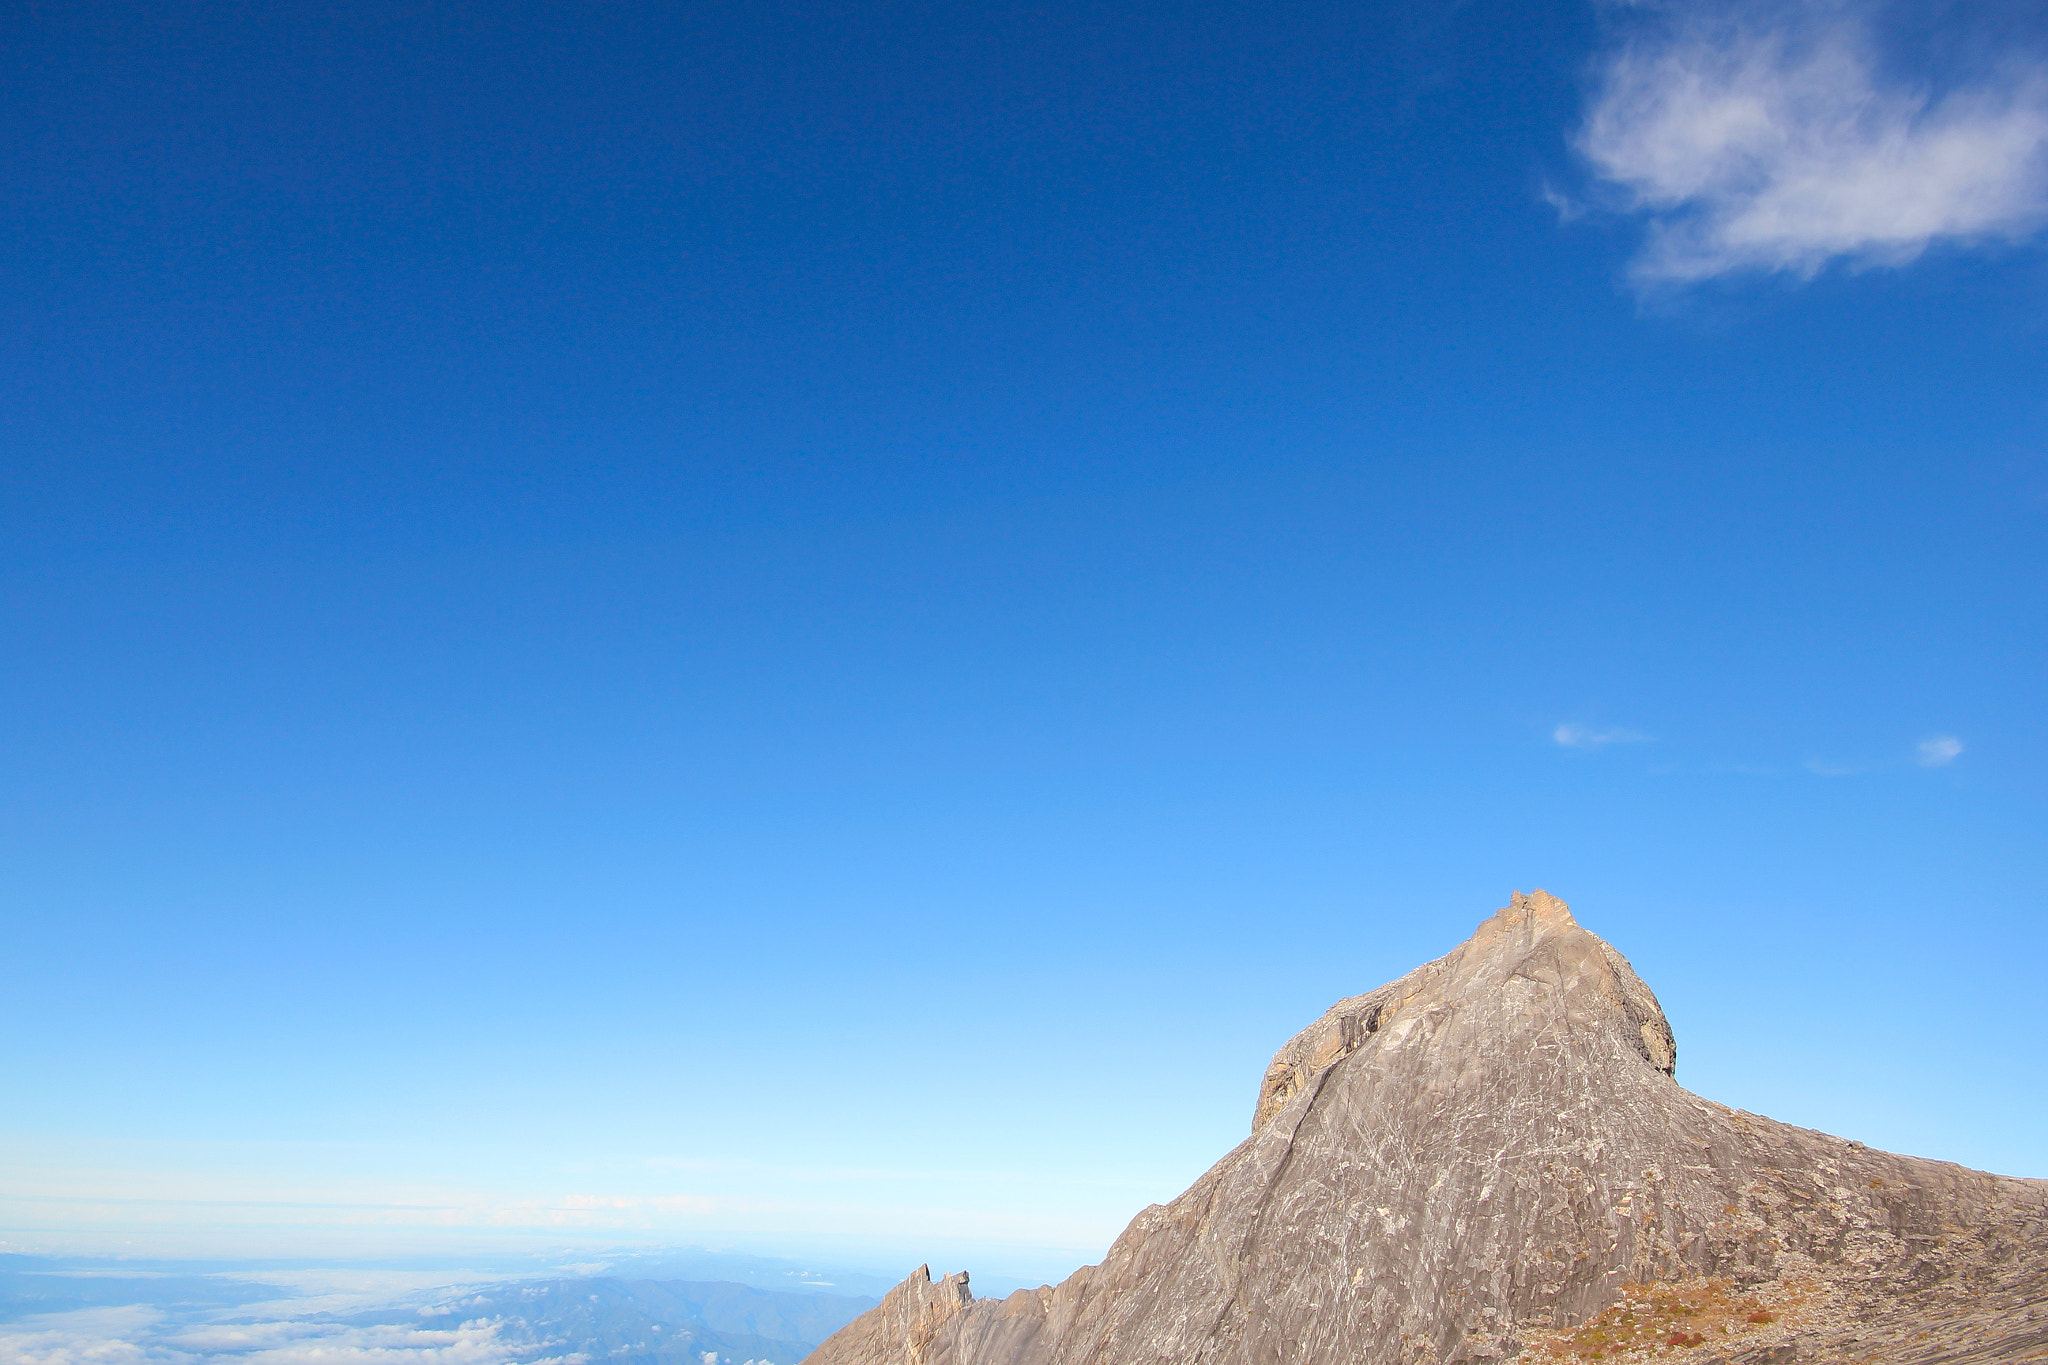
x=1666 y=1319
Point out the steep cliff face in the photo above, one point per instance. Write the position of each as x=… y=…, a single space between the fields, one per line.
x=1489 y=1159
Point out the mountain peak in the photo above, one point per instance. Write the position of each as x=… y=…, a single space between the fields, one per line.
x=1517 y=969
x=1538 y=903
x=1489 y=1159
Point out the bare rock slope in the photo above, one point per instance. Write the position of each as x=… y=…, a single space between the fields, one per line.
x=1487 y=1160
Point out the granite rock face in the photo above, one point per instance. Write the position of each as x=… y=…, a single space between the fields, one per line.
x=903 y=1326
x=1489 y=1160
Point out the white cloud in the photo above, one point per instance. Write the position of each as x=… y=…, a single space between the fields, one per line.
x=1571 y=736
x=472 y=1343
x=1940 y=751
x=93 y=1337
x=1770 y=137
x=103 y=1338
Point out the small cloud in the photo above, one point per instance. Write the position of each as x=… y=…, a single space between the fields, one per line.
x=1570 y=736
x=1568 y=209
x=1939 y=751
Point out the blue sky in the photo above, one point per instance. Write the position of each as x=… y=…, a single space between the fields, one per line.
x=818 y=627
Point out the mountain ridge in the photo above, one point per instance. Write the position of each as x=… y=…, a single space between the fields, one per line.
x=1489 y=1159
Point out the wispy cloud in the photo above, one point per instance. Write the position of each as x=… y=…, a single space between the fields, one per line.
x=1936 y=751
x=1939 y=751
x=1573 y=736
x=1771 y=136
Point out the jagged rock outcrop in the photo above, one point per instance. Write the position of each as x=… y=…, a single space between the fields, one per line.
x=1489 y=1159
x=902 y=1326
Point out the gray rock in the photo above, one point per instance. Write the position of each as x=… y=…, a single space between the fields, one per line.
x=1489 y=1160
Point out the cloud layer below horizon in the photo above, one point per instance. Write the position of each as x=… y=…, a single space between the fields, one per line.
x=1774 y=138
x=140 y=1336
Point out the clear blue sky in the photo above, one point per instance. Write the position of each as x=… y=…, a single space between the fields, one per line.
x=823 y=624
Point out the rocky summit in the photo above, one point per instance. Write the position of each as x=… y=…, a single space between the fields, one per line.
x=1490 y=1160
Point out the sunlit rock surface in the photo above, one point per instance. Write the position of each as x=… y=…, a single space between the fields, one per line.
x=1489 y=1159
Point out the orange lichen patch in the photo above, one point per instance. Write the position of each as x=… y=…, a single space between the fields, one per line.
x=1876 y=1183
x=1663 y=1319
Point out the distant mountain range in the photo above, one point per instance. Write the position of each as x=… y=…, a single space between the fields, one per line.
x=63 y=1311
x=608 y=1321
